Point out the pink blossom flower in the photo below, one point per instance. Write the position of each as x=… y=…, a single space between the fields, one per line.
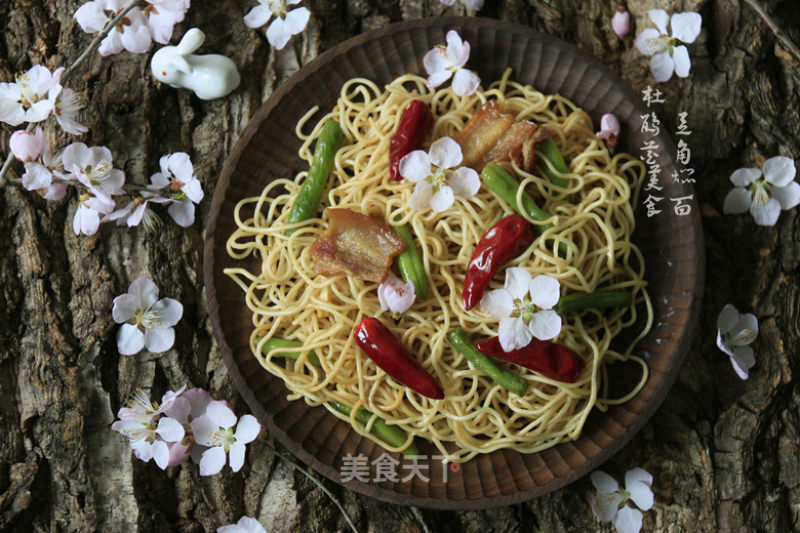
x=27 y=146
x=40 y=165
x=515 y=306
x=764 y=192
x=185 y=190
x=131 y=34
x=472 y=5
x=146 y=321
x=32 y=97
x=437 y=184
x=244 y=525
x=215 y=430
x=609 y=130
x=87 y=217
x=395 y=295
x=285 y=24
x=735 y=333
x=162 y=15
x=667 y=55
x=610 y=503
x=442 y=62
x=621 y=22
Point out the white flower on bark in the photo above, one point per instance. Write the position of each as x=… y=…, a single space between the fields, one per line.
x=515 y=306
x=244 y=525
x=667 y=55
x=183 y=188
x=131 y=33
x=93 y=167
x=437 y=184
x=32 y=97
x=147 y=322
x=610 y=503
x=162 y=15
x=285 y=24
x=442 y=62
x=764 y=193
x=66 y=109
x=215 y=430
x=735 y=333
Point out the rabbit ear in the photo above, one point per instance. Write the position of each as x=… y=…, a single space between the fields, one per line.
x=191 y=41
x=180 y=64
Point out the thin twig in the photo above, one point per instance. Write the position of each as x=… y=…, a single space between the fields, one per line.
x=319 y=484
x=110 y=25
x=787 y=43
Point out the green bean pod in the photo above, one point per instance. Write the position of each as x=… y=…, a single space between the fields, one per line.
x=410 y=263
x=391 y=435
x=578 y=301
x=306 y=204
x=550 y=151
x=501 y=375
x=278 y=343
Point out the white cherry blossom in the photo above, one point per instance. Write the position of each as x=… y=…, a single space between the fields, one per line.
x=93 y=167
x=735 y=333
x=137 y=211
x=610 y=504
x=667 y=55
x=87 y=217
x=162 y=15
x=131 y=33
x=396 y=296
x=147 y=322
x=473 y=5
x=437 y=184
x=40 y=165
x=244 y=525
x=285 y=23
x=183 y=188
x=515 y=306
x=764 y=192
x=443 y=62
x=215 y=430
x=32 y=97
x=66 y=109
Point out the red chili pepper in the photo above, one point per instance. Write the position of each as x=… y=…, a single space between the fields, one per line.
x=503 y=242
x=414 y=126
x=548 y=358
x=383 y=347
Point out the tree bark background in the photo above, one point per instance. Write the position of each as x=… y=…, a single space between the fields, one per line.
x=724 y=453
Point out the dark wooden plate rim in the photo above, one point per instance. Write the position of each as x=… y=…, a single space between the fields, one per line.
x=372 y=489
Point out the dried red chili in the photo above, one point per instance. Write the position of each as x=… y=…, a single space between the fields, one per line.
x=411 y=132
x=548 y=358
x=503 y=242
x=385 y=350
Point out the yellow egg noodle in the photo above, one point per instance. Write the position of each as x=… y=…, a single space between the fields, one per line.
x=593 y=218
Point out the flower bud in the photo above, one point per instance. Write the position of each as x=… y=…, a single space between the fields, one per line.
x=621 y=22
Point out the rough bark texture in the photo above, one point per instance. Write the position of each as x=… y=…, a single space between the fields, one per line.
x=724 y=453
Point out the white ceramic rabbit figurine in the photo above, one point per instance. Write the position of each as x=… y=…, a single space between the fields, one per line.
x=209 y=76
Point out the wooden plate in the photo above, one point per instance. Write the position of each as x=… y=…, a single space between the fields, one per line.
x=672 y=245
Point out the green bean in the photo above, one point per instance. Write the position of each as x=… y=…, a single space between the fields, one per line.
x=501 y=375
x=410 y=263
x=307 y=202
x=505 y=186
x=592 y=300
x=550 y=151
x=392 y=435
x=277 y=343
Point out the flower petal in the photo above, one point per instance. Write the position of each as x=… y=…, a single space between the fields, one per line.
x=421 y=197
x=650 y=42
x=278 y=33
x=395 y=295
x=545 y=325
x=236 y=456
x=743 y=177
x=91 y=17
x=203 y=429
x=788 y=196
x=498 y=303
x=130 y=339
x=545 y=291
x=628 y=520
x=297 y=20
x=445 y=153
x=722 y=345
x=220 y=414
x=680 y=56
x=160 y=452
x=258 y=16
x=621 y=22
x=170 y=310
x=159 y=340
x=606 y=506
x=247 y=429
x=737 y=201
x=767 y=214
x=518 y=282
x=435 y=62
x=746 y=322
x=435 y=78
x=145 y=290
x=638 y=482
x=727 y=318
x=457 y=49
x=182 y=212
x=660 y=19
x=170 y=429
x=662 y=66
x=779 y=170
x=212 y=461
x=742 y=360
x=36 y=177
x=603 y=482
x=513 y=334
x=442 y=199
x=464 y=182
x=125 y=307
x=465 y=82
x=686 y=26
x=415 y=166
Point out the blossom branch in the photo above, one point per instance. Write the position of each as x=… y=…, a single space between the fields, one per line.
x=71 y=68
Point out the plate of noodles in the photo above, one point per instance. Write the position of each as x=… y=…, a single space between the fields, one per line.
x=434 y=406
